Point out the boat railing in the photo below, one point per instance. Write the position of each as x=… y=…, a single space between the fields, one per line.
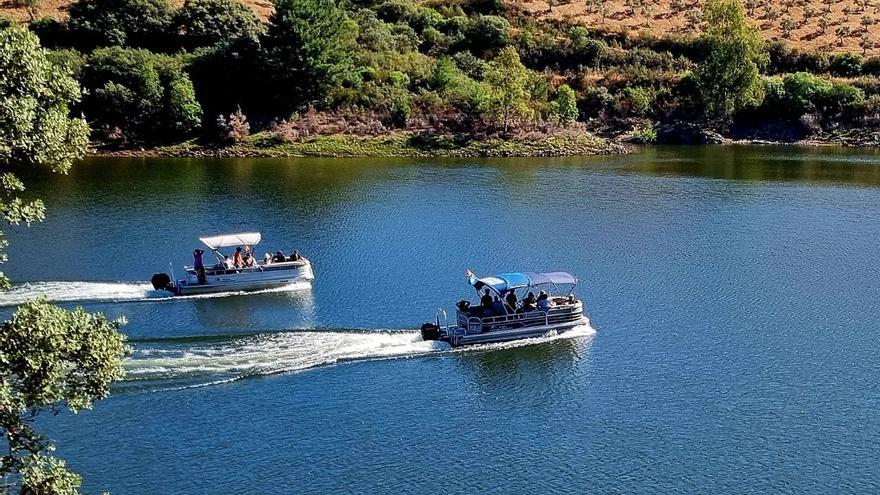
x=259 y=267
x=479 y=324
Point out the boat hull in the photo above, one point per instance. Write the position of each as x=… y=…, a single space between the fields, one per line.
x=246 y=281
x=458 y=336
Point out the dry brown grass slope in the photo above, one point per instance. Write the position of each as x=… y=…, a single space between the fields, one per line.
x=57 y=9
x=826 y=25
x=815 y=25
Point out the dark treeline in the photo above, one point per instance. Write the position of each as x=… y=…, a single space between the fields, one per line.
x=212 y=69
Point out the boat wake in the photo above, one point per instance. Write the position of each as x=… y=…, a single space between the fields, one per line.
x=187 y=362
x=63 y=291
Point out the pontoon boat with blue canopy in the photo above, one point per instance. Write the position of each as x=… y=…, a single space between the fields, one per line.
x=505 y=314
x=225 y=275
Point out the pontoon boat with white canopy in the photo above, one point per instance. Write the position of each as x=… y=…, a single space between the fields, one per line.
x=225 y=276
x=508 y=319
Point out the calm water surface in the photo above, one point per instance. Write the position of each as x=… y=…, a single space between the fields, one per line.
x=733 y=294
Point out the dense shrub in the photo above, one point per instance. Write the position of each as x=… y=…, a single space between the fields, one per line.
x=133 y=23
x=784 y=59
x=138 y=95
x=233 y=128
x=634 y=101
x=564 y=107
x=208 y=22
x=487 y=32
x=801 y=93
x=596 y=102
x=846 y=65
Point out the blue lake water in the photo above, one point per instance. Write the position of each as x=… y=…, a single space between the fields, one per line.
x=734 y=295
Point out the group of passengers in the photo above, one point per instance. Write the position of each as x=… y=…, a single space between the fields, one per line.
x=244 y=258
x=494 y=306
x=279 y=257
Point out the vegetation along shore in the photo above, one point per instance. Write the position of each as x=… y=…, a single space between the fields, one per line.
x=456 y=77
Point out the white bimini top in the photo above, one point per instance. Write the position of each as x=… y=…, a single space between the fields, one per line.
x=227 y=240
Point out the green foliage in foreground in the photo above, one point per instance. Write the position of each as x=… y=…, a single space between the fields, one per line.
x=35 y=128
x=49 y=357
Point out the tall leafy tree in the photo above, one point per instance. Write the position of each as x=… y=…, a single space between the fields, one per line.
x=730 y=76
x=564 y=106
x=508 y=79
x=49 y=357
x=309 y=46
x=209 y=22
x=135 y=23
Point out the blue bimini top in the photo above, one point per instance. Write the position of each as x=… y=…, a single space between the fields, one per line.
x=504 y=282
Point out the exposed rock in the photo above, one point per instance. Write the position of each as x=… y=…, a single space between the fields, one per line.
x=687 y=133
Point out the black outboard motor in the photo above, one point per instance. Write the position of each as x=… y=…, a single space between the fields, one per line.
x=430 y=331
x=161 y=281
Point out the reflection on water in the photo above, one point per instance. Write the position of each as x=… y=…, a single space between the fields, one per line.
x=771 y=163
x=539 y=361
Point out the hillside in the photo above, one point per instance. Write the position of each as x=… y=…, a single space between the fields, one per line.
x=826 y=25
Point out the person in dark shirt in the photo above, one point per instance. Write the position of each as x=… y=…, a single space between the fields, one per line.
x=510 y=299
x=278 y=258
x=294 y=256
x=199 y=266
x=498 y=307
x=529 y=303
x=486 y=303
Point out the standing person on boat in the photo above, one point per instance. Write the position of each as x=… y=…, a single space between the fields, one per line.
x=510 y=298
x=237 y=261
x=199 y=266
x=486 y=303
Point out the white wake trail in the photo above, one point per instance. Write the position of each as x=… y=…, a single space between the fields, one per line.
x=82 y=291
x=164 y=365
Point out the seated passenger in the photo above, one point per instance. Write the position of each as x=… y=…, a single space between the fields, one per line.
x=249 y=260
x=529 y=303
x=510 y=299
x=498 y=307
x=544 y=303
x=279 y=257
x=294 y=256
x=267 y=259
x=227 y=262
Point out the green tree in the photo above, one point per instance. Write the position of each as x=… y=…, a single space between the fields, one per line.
x=35 y=126
x=49 y=356
x=564 y=107
x=507 y=77
x=208 y=22
x=144 y=95
x=134 y=23
x=309 y=46
x=730 y=76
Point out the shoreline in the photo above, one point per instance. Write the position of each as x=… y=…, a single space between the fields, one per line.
x=406 y=145
x=393 y=145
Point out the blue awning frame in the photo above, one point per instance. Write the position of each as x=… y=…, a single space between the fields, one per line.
x=505 y=282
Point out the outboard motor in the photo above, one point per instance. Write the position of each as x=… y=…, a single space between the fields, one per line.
x=430 y=331
x=161 y=281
